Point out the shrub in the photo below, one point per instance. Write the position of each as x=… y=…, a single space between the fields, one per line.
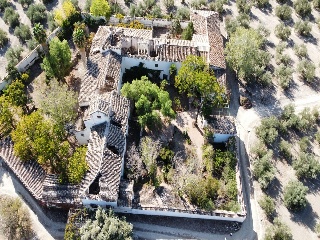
x=316 y=4
x=317 y=136
x=188 y=32
x=268 y=205
x=307 y=120
x=277 y=231
x=262 y=3
x=302 y=7
x=284 y=75
x=11 y=17
x=52 y=24
x=217 y=6
x=306 y=166
x=301 y=51
x=283 y=12
x=264 y=170
x=23 y=32
x=282 y=1
x=282 y=32
x=259 y=149
x=13 y=55
x=37 y=13
x=306 y=69
x=295 y=195
x=304 y=144
x=283 y=58
x=15 y=93
x=317 y=229
x=197 y=4
x=4 y=4
x=169 y=4
x=265 y=78
x=32 y=44
x=183 y=13
x=285 y=149
x=3 y=38
x=268 y=129
x=25 y=3
x=243 y=6
x=303 y=28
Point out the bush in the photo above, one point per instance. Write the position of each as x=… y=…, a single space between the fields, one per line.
x=302 y=7
x=282 y=32
x=283 y=12
x=295 y=195
x=11 y=17
x=265 y=78
x=243 y=6
x=264 y=170
x=317 y=229
x=284 y=76
x=37 y=13
x=22 y=32
x=183 y=13
x=303 y=28
x=197 y=4
x=13 y=55
x=283 y=59
x=188 y=32
x=285 y=149
x=304 y=144
x=32 y=44
x=282 y=1
x=268 y=129
x=4 y=4
x=3 y=38
x=259 y=149
x=262 y=3
x=169 y=4
x=301 y=51
x=278 y=231
x=268 y=205
x=306 y=69
x=217 y=6
x=25 y=3
x=52 y=24
x=307 y=120
x=306 y=166
x=317 y=136
x=316 y=4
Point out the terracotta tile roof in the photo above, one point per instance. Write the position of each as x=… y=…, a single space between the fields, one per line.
x=102 y=75
x=100 y=104
x=116 y=139
x=120 y=107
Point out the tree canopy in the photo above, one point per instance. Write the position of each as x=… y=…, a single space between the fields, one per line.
x=295 y=195
x=245 y=54
x=39 y=33
x=148 y=98
x=100 y=8
x=67 y=10
x=8 y=115
x=278 y=231
x=106 y=226
x=58 y=62
x=15 y=93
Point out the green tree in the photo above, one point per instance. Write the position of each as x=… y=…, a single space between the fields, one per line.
x=295 y=195
x=245 y=54
x=58 y=62
x=264 y=170
x=278 y=231
x=100 y=8
x=243 y=6
x=302 y=7
x=306 y=70
x=285 y=149
x=15 y=93
x=176 y=27
x=283 y=12
x=77 y=165
x=3 y=38
x=40 y=35
x=11 y=17
x=59 y=103
x=4 y=4
x=306 y=166
x=67 y=10
x=15 y=219
x=23 y=32
x=13 y=55
x=303 y=28
x=106 y=225
x=316 y=4
x=37 y=13
x=301 y=51
x=79 y=39
x=7 y=116
x=148 y=98
x=268 y=205
x=25 y=3
x=282 y=32
x=268 y=129
x=284 y=75
x=188 y=32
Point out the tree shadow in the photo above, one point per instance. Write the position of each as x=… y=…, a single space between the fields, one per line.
x=267 y=9
x=289 y=92
x=274 y=189
x=313 y=185
x=306 y=217
x=309 y=39
x=5 y=48
x=315 y=84
x=53 y=4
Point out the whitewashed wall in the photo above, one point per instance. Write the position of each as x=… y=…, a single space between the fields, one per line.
x=219 y=138
x=87 y=202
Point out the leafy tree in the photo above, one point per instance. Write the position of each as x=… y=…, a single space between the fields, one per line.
x=284 y=75
x=15 y=219
x=217 y=6
x=3 y=5
x=295 y=195
x=15 y=93
x=176 y=27
x=3 y=38
x=169 y=5
x=282 y=32
x=264 y=170
x=52 y=24
x=306 y=166
x=245 y=54
x=23 y=32
x=58 y=62
x=277 y=231
x=316 y=4
x=302 y=7
x=87 y=5
x=317 y=136
x=183 y=13
x=7 y=116
x=40 y=35
x=262 y=3
x=79 y=39
x=188 y=32
x=285 y=149
x=37 y=13
x=282 y=1
x=301 y=51
x=25 y=3
x=100 y=8
x=11 y=17
x=306 y=69
x=303 y=28
x=148 y=98
x=67 y=10
x=268 y=129
x=32 y=43
x=195 y=79
x=13 y=55
x=77 y=165
x=59 y=103
x=283 y=12
x=243 y=6
x=268 y=205
x=106 y=225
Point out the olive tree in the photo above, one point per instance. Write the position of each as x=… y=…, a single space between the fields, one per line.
x=295 y=195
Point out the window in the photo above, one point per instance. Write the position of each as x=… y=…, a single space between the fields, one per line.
x=98 y=116
x=156 y=65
